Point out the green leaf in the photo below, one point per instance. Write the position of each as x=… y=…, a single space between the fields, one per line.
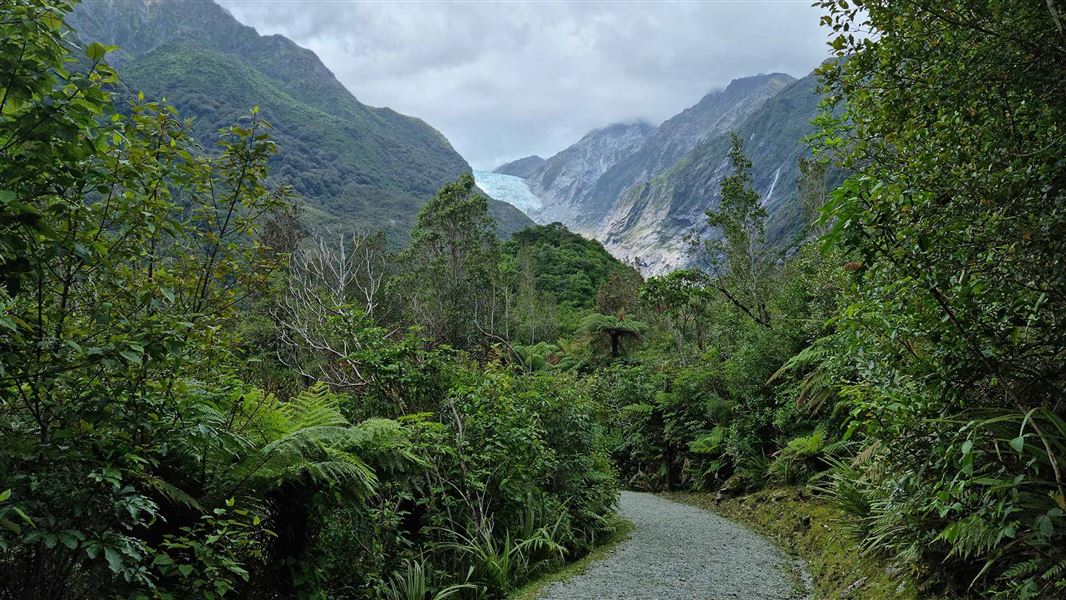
x=1018 y=443
x=68 y=540
x=96 y=51
x=1043 y=526
x=23 y=516
x=131 y=356
x=114 y=559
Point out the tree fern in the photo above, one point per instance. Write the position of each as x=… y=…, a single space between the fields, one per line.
x=310 y=437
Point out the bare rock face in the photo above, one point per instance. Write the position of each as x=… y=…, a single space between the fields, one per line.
x=640 y=189
x=564 y=181
x=523 y=167
x=718 y=112
x=650 y=220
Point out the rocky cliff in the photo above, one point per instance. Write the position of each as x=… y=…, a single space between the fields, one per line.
x=565 y=181
x=650 y=220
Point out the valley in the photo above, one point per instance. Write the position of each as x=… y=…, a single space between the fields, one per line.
x=261 y=339
x=640 y=190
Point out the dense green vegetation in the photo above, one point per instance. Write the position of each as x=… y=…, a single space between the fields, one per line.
x=198 y=398
x=566 y=266
x=162 y=434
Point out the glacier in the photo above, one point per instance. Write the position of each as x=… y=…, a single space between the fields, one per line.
x=510 y=189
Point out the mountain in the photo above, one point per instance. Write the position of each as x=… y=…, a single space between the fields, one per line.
x=580 y=185
x=649 y=221
x=717 y=112
x=350 y=163
x=564 y=181
x=523 y=167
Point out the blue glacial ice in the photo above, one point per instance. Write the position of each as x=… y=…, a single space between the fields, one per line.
x=508 y=188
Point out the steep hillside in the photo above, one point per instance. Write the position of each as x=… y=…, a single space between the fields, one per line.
x=568 y=266
x=580 y=185
x=650 y=220
x=564 y=181
x=718 y=112
x=351 y=163
x=523 y=167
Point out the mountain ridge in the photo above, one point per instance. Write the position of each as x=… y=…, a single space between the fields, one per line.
x=523 y=167
x=580 y=185
x=350 y=163
x=715 y=113
x=564 y=181
x=651 y=219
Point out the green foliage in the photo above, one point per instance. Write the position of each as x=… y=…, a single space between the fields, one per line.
x=203 y=559
x=742 y=260
x=801 y=458
x=949 y=355
x=449 y=281
x=614 y=330
x=450 y=422
x=135 y=288
x=680 y=303
x=568 y=267
x=412 y=583
x=125 y=252
x=500 y=564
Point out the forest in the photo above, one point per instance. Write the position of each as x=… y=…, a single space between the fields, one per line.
x=203 y=396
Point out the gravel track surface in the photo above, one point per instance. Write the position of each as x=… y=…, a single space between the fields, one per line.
x=679 y=552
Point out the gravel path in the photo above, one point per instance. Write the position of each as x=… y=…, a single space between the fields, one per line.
x=679 y=552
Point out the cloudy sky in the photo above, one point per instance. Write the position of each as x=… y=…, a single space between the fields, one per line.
x=506 y=79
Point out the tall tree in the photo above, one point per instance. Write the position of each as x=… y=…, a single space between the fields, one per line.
x=450 y=277
x=124 y=252
x=741 y=259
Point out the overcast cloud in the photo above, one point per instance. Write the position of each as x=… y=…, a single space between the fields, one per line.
x=506 y=79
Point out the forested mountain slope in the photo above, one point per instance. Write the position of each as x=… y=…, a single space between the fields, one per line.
x=567 y=266
x=351 y=163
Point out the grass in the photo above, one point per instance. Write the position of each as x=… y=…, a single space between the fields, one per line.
x=817 y=532
x=533 y=589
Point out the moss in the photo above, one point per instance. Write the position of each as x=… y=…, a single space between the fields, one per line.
x=814 y=530
x=533 y=589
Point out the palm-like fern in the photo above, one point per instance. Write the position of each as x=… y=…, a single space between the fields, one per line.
x=615 y=329
x=309 y=437
x=816 y=386
x=251 y=442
